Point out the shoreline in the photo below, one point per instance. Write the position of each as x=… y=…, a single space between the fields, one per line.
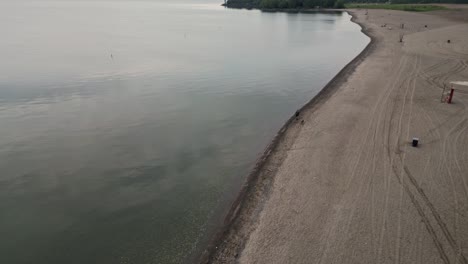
x=247 y=195
x=290 y=10
x=341 y=183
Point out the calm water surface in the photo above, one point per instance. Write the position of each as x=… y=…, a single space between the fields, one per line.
x=127 y=127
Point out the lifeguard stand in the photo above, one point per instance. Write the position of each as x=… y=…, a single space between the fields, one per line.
x=447 y=96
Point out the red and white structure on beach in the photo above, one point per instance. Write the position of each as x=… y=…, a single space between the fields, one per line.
x=447 y=97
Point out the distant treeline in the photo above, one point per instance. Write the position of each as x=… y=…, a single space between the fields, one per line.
x=298 y=4
x=410 y=1
x=285 y=4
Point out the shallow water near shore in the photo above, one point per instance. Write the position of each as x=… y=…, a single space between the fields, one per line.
x=127 y=127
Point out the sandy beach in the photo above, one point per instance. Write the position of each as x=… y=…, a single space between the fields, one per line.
x=345 y=185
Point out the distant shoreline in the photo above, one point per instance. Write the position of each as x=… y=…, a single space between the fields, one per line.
x=286 y=10
x=257 y=183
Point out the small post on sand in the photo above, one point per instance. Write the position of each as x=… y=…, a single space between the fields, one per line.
x=451 y=95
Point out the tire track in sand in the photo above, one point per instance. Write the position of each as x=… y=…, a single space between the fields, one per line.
x=435 y=214
x=412 y=84
x=377 y=106
x=392 y=88
x=419 y=208
x=386 y=176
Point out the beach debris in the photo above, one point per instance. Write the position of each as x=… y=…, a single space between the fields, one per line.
x=389 y=28
x=297 y=115
x=425 y=26
x=302 y=122
x=448 y=41
x=415 y=142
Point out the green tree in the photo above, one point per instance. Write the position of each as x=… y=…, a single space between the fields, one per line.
x=269 y=4
x=339 y=4
x=283 y=4
x=329 y=4
x=309 y=3
x=292 y=3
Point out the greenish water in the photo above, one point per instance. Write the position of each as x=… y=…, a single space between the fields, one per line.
x=127 y=127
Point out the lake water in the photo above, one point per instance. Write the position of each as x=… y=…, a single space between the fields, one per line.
x=127 y=127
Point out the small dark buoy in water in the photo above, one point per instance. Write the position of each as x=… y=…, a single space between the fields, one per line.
x=448 y=41
x=415 y=142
